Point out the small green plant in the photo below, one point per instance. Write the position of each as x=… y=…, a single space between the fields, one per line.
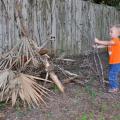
x=49 y=116
x=104 y=107
x=101 y=117
x=116 y=106
x=84 y=117
x=2 y=105
x=55 y=88
x=18 y=110
x=91 y=116
x=89 y=89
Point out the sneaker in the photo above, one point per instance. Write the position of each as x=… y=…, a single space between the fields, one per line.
x=114 y=90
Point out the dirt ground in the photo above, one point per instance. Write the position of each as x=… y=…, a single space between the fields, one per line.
x=79 y=102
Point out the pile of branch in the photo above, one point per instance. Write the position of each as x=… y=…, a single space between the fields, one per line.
x=15 y=84
x=18 y=79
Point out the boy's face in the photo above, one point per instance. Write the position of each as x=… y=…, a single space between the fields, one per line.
x=114 y=32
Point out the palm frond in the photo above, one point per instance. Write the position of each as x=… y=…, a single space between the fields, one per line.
x=14 y=86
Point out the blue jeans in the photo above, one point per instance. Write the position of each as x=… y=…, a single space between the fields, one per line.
x=114 y=69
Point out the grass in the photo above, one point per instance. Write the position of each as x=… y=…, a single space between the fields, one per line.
x=21 y=111
x=116 y=117
x=84 y=116
x=101 y=117
x=116 y=106
x=2 y=105
x=55 y=88
x=90 y=116
x=90 y=91
x=49 y=116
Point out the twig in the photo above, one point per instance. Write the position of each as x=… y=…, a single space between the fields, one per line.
x=66 y=72
x=69 y=60
x=99 y=67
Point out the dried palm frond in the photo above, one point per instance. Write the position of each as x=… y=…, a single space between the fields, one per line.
x=28 y=51
x=21 y=55
x=14 y=86
x=7 y=59
x=5 y=76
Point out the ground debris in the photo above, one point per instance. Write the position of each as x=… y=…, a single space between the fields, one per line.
x=2 y=116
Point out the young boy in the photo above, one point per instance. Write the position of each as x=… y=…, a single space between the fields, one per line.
x=114 y=56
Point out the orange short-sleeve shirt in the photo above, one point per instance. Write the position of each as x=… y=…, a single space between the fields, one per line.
x=114 y=51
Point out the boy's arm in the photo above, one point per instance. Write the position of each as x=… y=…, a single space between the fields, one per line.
x=99 y=46
x=105 y=43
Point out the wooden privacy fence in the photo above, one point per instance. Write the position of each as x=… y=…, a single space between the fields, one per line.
x=74 y=23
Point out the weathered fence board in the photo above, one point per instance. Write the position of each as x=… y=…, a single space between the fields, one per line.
x=74 y=23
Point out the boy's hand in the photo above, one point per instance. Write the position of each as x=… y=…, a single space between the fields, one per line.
x=94 y=46
x=97 y=41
